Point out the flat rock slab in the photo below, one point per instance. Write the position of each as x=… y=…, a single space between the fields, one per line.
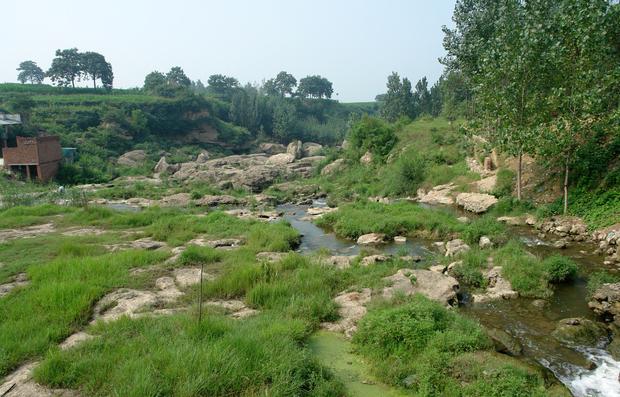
x=235 y=308
x=20 y=384
x=75 y=340
x=338 y=261
x=440 y=194
x=26 y=232
x=433 y=285
x=124 y=302
x=352 y=307
x=20 y=280
x=476 y=202
x=187 y=276
x=271 y=257
x=86 y=231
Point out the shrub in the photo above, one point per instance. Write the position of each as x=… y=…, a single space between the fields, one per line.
x=505 y=182
x=485 y=226
x=524 y=271
x=371 y=134
x=407 y=175
x=470 y=270
x=560 y=268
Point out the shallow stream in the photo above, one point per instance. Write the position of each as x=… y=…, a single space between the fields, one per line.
x=585 y=370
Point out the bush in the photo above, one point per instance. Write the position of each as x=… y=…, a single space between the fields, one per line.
x=404 y=340
x=371 y=134
x=408 y=173
x=470 y=270
x=485 y=226
x=560 y=268
x=505 y=182
x=524 y=271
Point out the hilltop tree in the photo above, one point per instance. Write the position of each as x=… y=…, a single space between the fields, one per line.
x=30 y=71
x=95 y=66
x=66 y=67
x=398 y=101
x=176 y=78
x=222 y=85
x=168 y=85
x=422 y=98
x=284 y=83
x=315 y=87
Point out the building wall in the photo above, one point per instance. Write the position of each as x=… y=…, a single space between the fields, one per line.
x=25 y=153
x=47 y=171
x=44 y=152
x=49 y=149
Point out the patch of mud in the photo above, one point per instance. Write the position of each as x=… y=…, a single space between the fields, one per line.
x=20 y=280
x=352 y=307
x=234 y=308
x=26 y=232
x=20 y=384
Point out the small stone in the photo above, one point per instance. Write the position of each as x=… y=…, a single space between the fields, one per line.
x=485 y=242
x=400 y=239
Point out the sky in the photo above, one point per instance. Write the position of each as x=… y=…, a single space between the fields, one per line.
x=356 y=44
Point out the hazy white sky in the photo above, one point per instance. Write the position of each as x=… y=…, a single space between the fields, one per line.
x=354 y=43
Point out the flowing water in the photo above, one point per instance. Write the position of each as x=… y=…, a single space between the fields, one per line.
x=585 y=370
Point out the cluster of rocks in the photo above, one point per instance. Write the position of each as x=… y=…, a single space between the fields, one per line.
x=438 y=195
x=253 y=172
x=574 y=229
x=606 y=302
x=608 y=244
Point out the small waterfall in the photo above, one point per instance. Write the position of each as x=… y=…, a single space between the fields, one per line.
x=603 y=381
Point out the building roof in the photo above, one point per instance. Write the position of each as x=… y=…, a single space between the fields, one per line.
x=10 y=119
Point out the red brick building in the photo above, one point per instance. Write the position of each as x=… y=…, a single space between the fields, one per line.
x=37 y=157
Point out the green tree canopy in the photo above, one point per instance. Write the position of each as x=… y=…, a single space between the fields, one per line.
x=315 y=87
x=29 y=71
x=95 y=66
x=66 y=67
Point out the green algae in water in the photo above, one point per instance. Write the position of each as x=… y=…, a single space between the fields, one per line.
x=334 y=351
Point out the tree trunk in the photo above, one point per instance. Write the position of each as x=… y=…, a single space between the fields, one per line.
x=73 y=83
x=566 y=186
x=519 y=173
x=94 y=83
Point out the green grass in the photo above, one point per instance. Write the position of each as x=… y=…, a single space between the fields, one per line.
x=177 y=356
x=21 y=216
x=469 y=272
x=44 y=249
x=353 y=220
x=528 y=274
x=597 y=279
x=436 y=352
x=58 y=300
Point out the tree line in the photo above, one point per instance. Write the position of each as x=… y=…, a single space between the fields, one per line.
x=67 y=67
x=536 y=77
x=545 y=77
x=281 y=107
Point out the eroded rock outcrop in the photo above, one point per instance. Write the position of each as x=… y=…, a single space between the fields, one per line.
x=606 y=301
x=440 y=194
x=132 y=159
